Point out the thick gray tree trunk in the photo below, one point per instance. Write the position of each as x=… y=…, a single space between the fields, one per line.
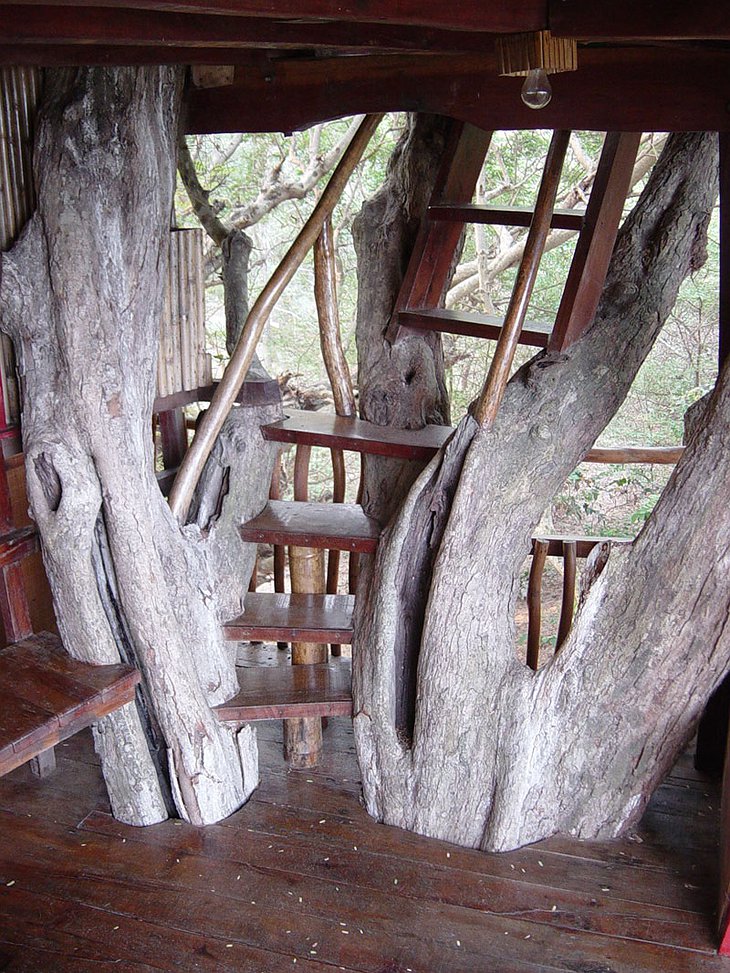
x=81 y=297
x=491 y=754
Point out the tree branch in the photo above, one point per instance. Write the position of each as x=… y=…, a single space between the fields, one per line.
x=199 y=197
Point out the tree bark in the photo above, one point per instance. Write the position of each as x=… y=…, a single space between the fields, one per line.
x=402 y=384
x=81 y=296
x=495 y=755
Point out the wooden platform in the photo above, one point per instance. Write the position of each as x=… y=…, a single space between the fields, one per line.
x=301 y=872
x=46 y=696
x=293 y=618
x=337 y=526
x=287 y=692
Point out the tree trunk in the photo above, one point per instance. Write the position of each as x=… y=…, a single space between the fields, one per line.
x=81 y=296
x=401 y=385
x=491 y=754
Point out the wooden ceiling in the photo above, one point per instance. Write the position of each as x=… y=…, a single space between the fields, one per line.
x=643 y=64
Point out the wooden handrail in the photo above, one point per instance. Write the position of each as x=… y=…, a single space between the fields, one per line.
x=634 y=454
x=487 y=407
x=235 y=373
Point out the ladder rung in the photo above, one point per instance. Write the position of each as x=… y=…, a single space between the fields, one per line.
x=293 y=618
x=473 y=324
x=285 y=692
x=357 y=435
x=333 y=526
x=562 y=219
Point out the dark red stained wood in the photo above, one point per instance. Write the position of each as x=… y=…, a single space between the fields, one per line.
x=341 y=526
x=173 y=437
x=293 y=618
x=466 y=15
x=16 y=545
x=626 y=20
x=472 y=324
x=56 y=26
x=14 y=608
x=46 y=696
x=595 y=244
x=281 y=692
x=562 y=219
x=253 y=392
x=614 y=89
x=338 y=432
x=429 y=267
x=165 y=479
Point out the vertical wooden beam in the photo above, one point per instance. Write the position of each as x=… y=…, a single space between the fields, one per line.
x=568 y=603
x=173 y=437
x=303 y=737
x=534 y=602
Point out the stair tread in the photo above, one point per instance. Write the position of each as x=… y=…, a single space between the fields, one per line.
x=562 y=219
x=358 y=435
x=293 y=618
x=334 y=526
x=285 y=692
x=472 y=323
x=46 y=696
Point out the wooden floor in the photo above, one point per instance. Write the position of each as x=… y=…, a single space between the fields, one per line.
x=301 y=879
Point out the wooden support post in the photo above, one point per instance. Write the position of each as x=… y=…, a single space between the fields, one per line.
x=568 y=604
x=174 y=437
x=534 y=601
x=44 y=764
x=303 y=737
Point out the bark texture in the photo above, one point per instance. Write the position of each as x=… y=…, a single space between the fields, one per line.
x=496 y=756
x=81 y=296
x=401 y=384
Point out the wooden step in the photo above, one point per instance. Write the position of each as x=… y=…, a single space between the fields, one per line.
x=16 y=545
x=334 y=526
x=46 y=696
x=293 y=618
x=336 y=432
x=285 y=692
x=562 y=219
x=473 y=324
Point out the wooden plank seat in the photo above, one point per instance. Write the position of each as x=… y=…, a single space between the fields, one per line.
x=285 y=692
x=293 y=618
x=46 y=696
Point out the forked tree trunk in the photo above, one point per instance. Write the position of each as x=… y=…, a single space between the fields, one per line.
x=81 y=296
x=490 y=754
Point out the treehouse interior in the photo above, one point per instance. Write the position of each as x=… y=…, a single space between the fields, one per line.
x=300 y=874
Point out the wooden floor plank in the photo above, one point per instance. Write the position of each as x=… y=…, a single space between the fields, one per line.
x=282 y=875
x=337 y=526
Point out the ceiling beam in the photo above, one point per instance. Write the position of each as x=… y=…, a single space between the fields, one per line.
x=628 y=89
x=640 y=19
x=493 y=16
x=55 y=26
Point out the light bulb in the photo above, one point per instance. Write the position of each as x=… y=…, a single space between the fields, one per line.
x=536 y=91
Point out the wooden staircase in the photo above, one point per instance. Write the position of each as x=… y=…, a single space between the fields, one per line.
x=321 y=690
x=45 y=695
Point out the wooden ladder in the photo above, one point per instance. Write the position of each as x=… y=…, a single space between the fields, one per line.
x=324 y=690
